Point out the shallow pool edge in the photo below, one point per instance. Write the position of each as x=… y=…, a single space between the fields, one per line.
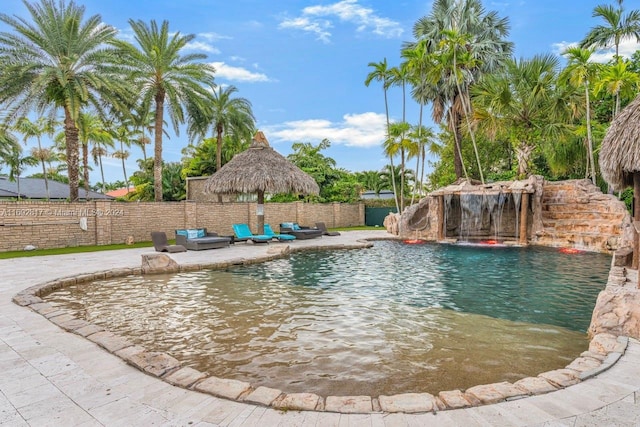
x=604 y=351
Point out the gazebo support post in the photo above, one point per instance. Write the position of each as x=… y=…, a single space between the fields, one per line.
x=524 y=209
x=636 y=219
x=441 y=230
x=260 y=212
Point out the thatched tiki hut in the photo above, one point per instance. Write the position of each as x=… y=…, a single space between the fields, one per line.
x=260 y=169
x=620 y=160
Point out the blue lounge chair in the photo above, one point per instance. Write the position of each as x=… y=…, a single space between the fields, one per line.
x=243 y=233
x=269 y=232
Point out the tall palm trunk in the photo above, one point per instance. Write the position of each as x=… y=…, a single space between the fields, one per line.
x=85 y=168
x=157 y=149
x=44 y=169
x=71 y=138
x=124 y=168
x=402 y=159
x=393 y=178
x=589 y=136
x=420 y=148
x=458 y=163
x=104 y=186
x=467 y=112
x=219 y=131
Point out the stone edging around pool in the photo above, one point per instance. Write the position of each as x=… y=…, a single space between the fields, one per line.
x=604 y=351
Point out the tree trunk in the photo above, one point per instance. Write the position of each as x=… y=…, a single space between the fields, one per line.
x=402 y=165
x=219 y=131
x=523 y=154
x=124 y=169
x=393 y=178
x=458 y=165
x=71 y=140
x=101 y=173
x=44 y=170
x=85 y=169
x=157 y=149
x=589 y=137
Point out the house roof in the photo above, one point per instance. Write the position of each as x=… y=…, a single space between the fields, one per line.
x=34 y=188
x=120 y=192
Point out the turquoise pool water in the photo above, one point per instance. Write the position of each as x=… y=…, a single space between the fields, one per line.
x=391 y=319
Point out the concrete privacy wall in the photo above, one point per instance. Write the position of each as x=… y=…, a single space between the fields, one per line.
x=57 y=224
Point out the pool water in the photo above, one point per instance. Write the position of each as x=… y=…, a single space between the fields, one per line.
x=390 y=319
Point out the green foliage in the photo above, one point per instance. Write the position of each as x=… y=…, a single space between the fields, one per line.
x=173 y=183
x=627 y=197
x=200 y=159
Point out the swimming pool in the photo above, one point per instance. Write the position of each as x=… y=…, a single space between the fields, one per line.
x=390 y=319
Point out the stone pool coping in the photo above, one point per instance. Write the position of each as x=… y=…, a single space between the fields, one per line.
x=604 y=351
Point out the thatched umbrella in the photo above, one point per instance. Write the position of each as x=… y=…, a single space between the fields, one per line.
x=260 y=169
x=620 y=159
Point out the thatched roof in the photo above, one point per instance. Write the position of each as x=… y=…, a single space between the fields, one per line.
x=620 y=150
x=260 y=169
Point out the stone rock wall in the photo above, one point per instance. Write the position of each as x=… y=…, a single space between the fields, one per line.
x=617 y=309
x=573 y=213
x=577 y=214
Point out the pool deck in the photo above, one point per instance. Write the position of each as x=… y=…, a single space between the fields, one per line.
x=55 y=378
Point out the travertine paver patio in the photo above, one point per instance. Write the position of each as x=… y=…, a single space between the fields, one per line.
x=52 y=377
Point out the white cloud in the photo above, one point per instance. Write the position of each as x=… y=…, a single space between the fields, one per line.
x=317 y=20
x=319 y=27
x=201 y=46
x=627 y=47
x=213 y=36
x=355 y=130
x=240 y=74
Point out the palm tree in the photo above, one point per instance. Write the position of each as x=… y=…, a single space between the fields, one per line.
x=224 y=115
x=581 y=72
x=387 y=175
x=165 y=78
x=8 y=143
x=123 y=134
x=398 y=143
x=522 y=103
x=36 y=130
x=63 y=63
x=617 y=26
x=17 y=164
x=371 y=180
x=382 y=73
x=417 y=63
x=420 y=137
x=141 y=121
x=616 y=80
x=91 y=131
x=483 y=34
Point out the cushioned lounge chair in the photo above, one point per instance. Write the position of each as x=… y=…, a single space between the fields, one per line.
x=197 y=239
x=243 y=234
x=299 y=231
x=322 y=227
x=161 y=244
x=269 y=232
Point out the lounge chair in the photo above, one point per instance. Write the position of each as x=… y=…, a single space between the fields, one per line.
x=243 y=234
x=197 y=239
x=322 y=227
x=161 y=244
x=268 y=231
x=299 y=231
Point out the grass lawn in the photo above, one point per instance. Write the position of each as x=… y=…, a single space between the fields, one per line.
x=72 y=250
x=80 y=249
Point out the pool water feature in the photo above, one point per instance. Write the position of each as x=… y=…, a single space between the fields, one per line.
x=390 y=319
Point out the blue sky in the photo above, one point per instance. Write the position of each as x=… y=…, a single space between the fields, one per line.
x=302 y=63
